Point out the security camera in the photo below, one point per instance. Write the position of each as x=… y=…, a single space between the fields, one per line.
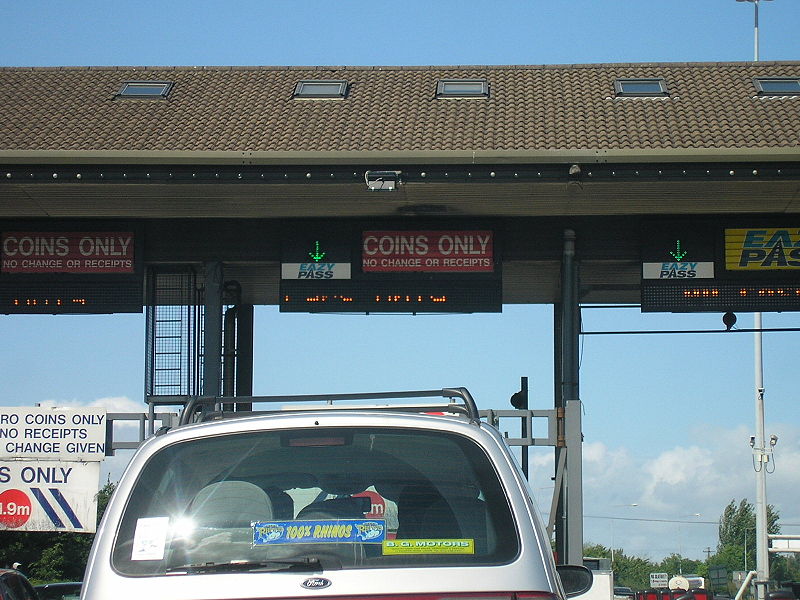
x=773 y=439
x=752 y=441
x=382 y=180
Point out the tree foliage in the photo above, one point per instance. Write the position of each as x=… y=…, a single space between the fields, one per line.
x=738 y=523
x=736 y=549
x=736 y=528
x=675 y=564
x=632 y=571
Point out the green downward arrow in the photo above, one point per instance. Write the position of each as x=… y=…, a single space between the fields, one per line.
x=678 y=254
x=317 y=256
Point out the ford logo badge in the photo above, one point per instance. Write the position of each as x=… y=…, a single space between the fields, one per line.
x=316 y=583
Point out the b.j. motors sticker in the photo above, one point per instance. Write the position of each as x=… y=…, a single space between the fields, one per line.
x=765 y=249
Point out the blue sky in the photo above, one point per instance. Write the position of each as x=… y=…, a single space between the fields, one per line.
x=667 y=417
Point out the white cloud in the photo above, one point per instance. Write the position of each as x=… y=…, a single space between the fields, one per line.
x=669 y=476
x=654 y=506
x=112 y=467
x=111 y=403
x=120 y=404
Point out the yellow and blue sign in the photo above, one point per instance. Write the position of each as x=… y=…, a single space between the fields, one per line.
x=764 y=249
x=314 y=532
x=429 y=546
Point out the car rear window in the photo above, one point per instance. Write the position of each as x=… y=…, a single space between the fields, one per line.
x=338 y=497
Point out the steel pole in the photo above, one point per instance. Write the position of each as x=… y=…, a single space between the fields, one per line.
x=760 y=459
x=755 y=33
x=573 y=436
x=212 y=329
x=759 y=452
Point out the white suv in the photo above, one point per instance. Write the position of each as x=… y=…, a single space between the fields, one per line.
x=327 y=500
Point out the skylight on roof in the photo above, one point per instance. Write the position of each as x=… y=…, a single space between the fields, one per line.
x=655 y=86
x=462 y=88
x=145 y=89
x=777 y=86
x=321 y=88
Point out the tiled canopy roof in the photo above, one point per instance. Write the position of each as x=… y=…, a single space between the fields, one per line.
x=531 y=109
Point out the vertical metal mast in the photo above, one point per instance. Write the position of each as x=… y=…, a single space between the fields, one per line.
x=572 y=484
x=760 y=458
x=212 y=329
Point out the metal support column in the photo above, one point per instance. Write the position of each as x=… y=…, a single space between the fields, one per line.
x=212 y=329
x=760 y=462
x=557 y=517
x=572 y=485
x=244 y=355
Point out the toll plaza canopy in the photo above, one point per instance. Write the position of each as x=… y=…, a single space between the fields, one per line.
x=669 y=175
x=397 y=189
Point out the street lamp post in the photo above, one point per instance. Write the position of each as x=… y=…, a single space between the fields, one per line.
x=760 y=456
x=755 y=26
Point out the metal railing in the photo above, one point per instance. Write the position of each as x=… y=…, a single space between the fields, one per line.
x=193 y=408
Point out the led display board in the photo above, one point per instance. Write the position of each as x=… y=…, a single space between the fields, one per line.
x=70 y=271
x=391 y=271
x=70 y=296
x=406 y=296
x=720 y=296
x=718 y=269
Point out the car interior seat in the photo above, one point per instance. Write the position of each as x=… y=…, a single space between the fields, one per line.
x=336 y=508
x=343 y=507
x=459 y=514
x=282 y=504
x=228 y=504
x=412 y=503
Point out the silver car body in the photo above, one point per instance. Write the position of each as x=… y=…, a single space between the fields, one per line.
x=530 y=570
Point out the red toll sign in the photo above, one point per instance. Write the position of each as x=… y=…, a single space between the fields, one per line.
x=15 y=508
x=67 y=252
x=465 y=251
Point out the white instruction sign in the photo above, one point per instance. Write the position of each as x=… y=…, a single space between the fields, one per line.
x=52 y=433
x=150 y=538
x=659 y=580
x=48 y=495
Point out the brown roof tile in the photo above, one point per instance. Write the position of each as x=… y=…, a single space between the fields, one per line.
x=533 y=108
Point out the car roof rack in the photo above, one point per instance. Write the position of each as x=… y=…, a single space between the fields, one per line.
x=207 y=408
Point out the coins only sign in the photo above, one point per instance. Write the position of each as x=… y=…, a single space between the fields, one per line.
x=72 y=252
x=49 y=495
x=427 y=251
x=77 y=434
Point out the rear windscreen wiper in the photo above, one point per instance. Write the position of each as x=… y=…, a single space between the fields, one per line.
x=310 y=563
